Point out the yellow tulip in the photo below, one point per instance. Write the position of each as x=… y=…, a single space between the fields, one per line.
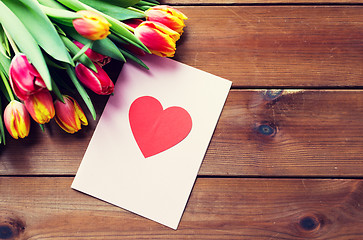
x=40 y=106
x=170 y=17
x=91 y=25
x=158 y=38
x=17 y=120
x=69 y=115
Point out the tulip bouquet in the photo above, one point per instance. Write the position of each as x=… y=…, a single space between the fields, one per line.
x=49 y=47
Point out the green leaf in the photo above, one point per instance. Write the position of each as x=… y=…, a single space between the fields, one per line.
x=147 y=3
x=56 y=92
x=81 y=90
x=74 y=50
x=119 y=28
x=2 y=129
x=51 y=62
x=52 y=4
x=4 y=63
x=117 y=12
x=103 y=46
x=5 y=49
x=3 y=87
x=59 y=13
x=133 y=58
x=58 y=78
x=40 y=27
x=107 y=48
x=142 y=7
x=25 y=42
x=122 y=4
x=151 y=1
x=82 y=50
x=126 y=53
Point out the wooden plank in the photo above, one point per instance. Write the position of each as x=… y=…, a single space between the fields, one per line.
x=46 y=208
x=276 y=46
x=288 y=133
x=260 y=133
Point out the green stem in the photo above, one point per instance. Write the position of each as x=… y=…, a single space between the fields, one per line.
x=41 y=127
x=7 y=86
x=136 y=10
x=131 y=29
x=83 y=50
x=11 y=41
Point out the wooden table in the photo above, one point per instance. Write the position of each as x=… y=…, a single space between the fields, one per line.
x=285 y=161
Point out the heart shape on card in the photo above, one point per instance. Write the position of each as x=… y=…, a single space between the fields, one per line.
x=156 y=129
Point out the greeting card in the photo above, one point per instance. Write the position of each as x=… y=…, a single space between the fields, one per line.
x=151 y=139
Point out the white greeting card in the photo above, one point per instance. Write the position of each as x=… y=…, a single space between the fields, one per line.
x=151 y=139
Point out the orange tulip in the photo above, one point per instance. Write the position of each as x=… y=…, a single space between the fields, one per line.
x=40 y=106
x=17 y=120
x=69 y=115
x=170 y=17
x=158 y=38
x=91 y=25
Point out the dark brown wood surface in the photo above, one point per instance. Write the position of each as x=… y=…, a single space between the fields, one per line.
x=285 y=161
x=219 y=208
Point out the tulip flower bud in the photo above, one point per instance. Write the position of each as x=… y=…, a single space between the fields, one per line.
x=170 y=17
x=96 y=57
x=17 y=120
x=25 y=80
x=98 y=82
x=69 y=115
x=91 y=25
x=158 y=38
x=40 y=106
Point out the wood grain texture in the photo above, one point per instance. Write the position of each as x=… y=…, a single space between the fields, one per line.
x=260 y=133
x=276 y=46
x=288 y=133
x=46 y=208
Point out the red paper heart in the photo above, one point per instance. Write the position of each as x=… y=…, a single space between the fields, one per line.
x=156 y=130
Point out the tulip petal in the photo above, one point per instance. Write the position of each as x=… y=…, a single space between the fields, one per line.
x=69 y=115
x=24 y=78
x=40 y=107
x=92 y=25
x=170 y=17
x=158 y=38
x=98 y=82
x=80 y=114
x=16 y=119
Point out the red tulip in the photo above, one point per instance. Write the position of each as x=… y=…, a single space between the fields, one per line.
x=40 y=106
x=133 y=22
x=158 y=38
x=170 y=17
x=25 y=80
x=17 y=120
x=98 y=82
x=91 y=25
x=96 y=57
x=69 y=115
x=128 y=46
